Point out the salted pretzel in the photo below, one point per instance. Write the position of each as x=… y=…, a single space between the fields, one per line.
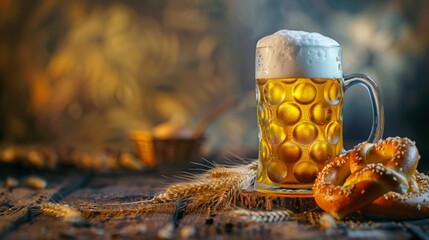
x=356 y=178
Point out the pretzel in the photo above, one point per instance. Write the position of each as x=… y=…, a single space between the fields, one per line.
x=412 y=205
x=356 y=178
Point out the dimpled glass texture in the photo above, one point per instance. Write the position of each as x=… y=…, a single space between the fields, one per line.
x=300 y=129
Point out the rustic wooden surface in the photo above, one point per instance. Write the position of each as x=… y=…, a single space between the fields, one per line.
x=18 y=220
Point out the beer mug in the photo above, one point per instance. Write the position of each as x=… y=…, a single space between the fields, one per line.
x=299 y=91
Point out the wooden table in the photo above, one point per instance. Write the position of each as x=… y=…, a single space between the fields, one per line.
x=19 y=220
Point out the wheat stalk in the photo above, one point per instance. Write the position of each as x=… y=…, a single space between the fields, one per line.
x=119 y=210
x=215 y=190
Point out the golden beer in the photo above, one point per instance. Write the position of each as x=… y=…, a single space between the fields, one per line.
x=300 y=124
x=299 y=90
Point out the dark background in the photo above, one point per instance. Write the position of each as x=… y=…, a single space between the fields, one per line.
x=80 y=72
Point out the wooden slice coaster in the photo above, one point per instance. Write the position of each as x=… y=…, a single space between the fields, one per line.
x=252 y=199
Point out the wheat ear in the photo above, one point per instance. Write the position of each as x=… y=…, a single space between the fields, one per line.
x=62 y=211
x=261 y=216
x=215 y=189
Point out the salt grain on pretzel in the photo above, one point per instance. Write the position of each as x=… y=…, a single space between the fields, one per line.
x=355 y=179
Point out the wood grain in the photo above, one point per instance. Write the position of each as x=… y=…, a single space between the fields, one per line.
x=103 y=190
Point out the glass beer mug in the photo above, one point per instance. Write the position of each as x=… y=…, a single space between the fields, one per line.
x=299 y=91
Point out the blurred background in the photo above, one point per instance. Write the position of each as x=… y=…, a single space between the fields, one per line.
x=89 y=72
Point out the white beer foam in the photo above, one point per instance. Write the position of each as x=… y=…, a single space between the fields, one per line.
x=289 y=53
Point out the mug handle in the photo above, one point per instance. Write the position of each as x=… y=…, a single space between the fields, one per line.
x=376 y=102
